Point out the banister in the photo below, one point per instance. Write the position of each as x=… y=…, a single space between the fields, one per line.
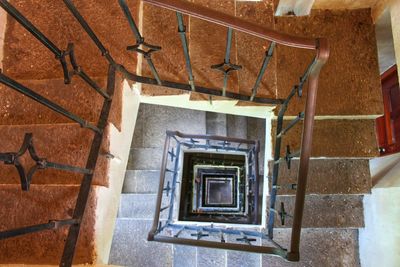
x=233 y=22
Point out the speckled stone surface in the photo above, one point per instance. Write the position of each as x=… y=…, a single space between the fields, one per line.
x=39 y=205
x=27 y=58
x=145 y=159
x=349 y=82
x=60 y=143
x=207 y=257
x=236 y=126
x=153 y=121
x=140 y=206
x=251 y=50
x=160 y=28
x=184 y=256
x=242 y=259
x=335 y=138
x=325 y=211
x=207 y=47
x=77 y=98
x=328 y=176
x=141 y=181
x=158 y=119
x=131 y=248
x=216 y=124
x=319 y=247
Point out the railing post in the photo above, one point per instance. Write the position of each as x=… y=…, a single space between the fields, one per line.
x=306 y=148
x=153 y=230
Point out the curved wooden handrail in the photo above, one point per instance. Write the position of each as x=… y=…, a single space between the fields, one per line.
x=233 y=22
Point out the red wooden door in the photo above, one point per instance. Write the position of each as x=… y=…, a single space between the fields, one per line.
x=388 y=126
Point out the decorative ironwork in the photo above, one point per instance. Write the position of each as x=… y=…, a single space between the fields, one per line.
x=227 y=67
x=13 y=158
x=182 y=34
x=267 y=59
x=232 y=23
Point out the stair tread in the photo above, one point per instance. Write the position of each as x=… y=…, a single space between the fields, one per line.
x=65 y=143
x=328 y=176
x=131 y=248
x=141 y=181
x=325 y=211
x=319 y=247
x=139 y=206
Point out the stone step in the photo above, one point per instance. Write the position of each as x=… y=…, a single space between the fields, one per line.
x=41 y=204
x=27 y=58
x=216 y=123
x=319 y=247
x=140 y=206
x=199 y=43
x=334 y=138
x=77 y=97
x=340 y=92
x=141 y=181
x=328 y=176
x=325 y=211
x=65 y=143
x=154 y=120
x=145 y=159
x=131 y=248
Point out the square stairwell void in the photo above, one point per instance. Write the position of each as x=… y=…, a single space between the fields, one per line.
x=213 y=187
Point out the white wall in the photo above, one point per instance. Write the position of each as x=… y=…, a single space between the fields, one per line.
x=380 y=239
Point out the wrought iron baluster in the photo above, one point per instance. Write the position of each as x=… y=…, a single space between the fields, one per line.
x=31 y=28
x=227 y=67
x=182 y=34
x=81 y=73
x=71 y=7
x=174 y=180
x=164 y=208
x=246 y=240
x=51 y=225
x=304 y=77
x=267 y=58
x=199 y=235
x=288 y=157
x=172 y=154
x=59 y=54
x=84 y=190
x=291 y=125
x=275 y=172
x=44 y=101
x=12 y=158
x=180 y=231
x=140 y=41
x=168 y=188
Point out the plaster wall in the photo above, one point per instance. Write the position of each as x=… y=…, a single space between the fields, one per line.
x=380 y=239
x=109 y=197
x=395 y=16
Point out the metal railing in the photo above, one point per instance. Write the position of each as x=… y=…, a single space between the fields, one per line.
x=71 y=69
x=311 y=75
x=167 y=226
